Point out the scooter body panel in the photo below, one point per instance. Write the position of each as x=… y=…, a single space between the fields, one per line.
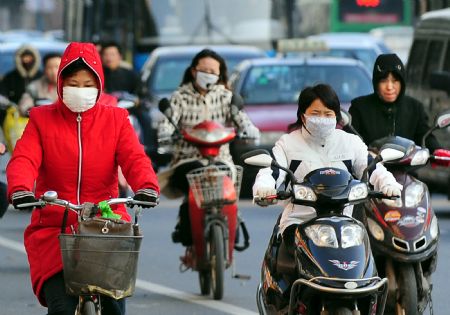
x=349 y=263
x=406 y=230
x=200 y=218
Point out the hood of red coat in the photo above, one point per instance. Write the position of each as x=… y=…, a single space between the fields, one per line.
x=88 y=53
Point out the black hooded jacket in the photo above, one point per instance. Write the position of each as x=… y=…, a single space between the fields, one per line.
x=374 y=118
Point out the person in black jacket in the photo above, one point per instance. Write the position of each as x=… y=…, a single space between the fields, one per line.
x=27 y=61
x=388 y=111
x=120 y=78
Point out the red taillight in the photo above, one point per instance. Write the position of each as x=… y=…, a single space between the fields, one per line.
x=302 y=309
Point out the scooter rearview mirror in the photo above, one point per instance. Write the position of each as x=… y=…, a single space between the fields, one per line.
x=164 y=107
x=259 y=157
x=346 y=118
x=443 y=120
x=391 y=154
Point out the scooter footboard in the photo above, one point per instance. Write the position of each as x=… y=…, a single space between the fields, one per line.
x=376 y=286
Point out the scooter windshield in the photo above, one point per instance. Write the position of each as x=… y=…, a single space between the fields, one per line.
x=328 y=177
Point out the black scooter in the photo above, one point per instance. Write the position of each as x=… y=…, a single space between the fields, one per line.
x=332 y=270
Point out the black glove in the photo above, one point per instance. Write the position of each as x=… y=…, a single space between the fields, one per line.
x=147 y=195
x=21 y=197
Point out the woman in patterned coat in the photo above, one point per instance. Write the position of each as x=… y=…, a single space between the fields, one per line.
x=202 y=95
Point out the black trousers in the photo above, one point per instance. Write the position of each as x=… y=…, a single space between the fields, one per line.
x=60 y=303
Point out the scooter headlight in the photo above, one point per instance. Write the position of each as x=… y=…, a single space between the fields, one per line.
x=358 y=192
x=414 y=194
x=420 y=157
x=322 y=235
x=351 y=235
x=434 y=227
x=304 y=193
x=375 y=230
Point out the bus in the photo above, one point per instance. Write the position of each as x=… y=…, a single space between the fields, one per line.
x=140 y=26
x=364 y=15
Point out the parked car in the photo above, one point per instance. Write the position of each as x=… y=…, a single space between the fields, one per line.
x=427 y=79
x=163 y=71
x=361 y=46
x=270 y=88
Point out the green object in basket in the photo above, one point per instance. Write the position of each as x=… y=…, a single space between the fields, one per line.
x=107 y=212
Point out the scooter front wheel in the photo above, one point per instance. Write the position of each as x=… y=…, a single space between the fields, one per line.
x=338 y=311
x=217 y=261
x=204 y=277
x=89 y=308
x=407 y=291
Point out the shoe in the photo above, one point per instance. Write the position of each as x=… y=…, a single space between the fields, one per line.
x=176 y=236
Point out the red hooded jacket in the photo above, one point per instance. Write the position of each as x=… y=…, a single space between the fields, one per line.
x=77 y=159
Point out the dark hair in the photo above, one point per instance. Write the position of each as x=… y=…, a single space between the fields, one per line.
x=308 y=95
x=223 y=77
x=110 y=44
x=74 y=67
x=49 y=56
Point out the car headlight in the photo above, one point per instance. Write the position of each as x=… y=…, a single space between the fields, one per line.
x=420 y=157
x=322 y=235
x=434 y=227
x=304 y=193
x=351 y=235
x=414 y=194
x=358 y=191
x=375 y=230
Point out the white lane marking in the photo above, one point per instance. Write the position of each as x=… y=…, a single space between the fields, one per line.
x=12 y=245
x=159 y=289
x=192 y=298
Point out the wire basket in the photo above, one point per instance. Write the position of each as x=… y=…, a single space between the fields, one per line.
x=98 y=264
x=209 y=184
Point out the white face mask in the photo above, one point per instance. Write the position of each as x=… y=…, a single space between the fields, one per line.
x=320 y=127
x=79 y=100
x=206 y=80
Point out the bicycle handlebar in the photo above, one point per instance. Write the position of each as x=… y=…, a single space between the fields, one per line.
x=46 y=199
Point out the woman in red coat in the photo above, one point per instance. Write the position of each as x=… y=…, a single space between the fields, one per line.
x=74 y=147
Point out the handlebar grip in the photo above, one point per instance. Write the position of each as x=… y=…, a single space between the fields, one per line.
x=31 y=204
x=440 y=158
x=380 y=195
x=283 y=195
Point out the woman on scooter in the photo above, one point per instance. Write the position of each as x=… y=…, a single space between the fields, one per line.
x=388 y=111
x=202 y=95
x=74 y=147
x=315 y=143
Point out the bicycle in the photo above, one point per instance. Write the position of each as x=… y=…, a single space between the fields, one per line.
x=86 y=274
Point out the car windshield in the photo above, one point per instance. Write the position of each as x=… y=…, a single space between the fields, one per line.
x=167 y=73
x=281 y=84
x=367 y=56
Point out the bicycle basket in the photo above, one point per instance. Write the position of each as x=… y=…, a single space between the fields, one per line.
x=97 y=264
x=209 y=184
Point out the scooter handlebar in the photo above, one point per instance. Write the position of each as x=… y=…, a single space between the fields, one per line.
x=380 y=195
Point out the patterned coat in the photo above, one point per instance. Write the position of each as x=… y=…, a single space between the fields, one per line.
x=190 y=108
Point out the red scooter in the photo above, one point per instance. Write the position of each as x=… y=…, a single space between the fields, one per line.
x=404 y=232
x=212 y=201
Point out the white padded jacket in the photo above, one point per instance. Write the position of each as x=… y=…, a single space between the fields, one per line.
x=302 y=154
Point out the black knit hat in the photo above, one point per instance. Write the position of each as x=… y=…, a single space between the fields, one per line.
x=386 y=63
